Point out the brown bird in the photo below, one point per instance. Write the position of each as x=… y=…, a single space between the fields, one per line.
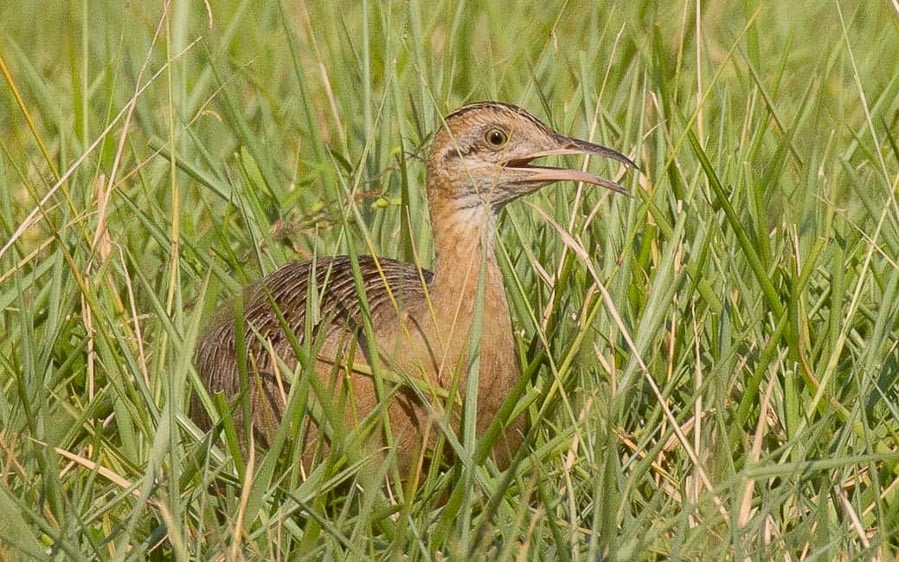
x=421 y=322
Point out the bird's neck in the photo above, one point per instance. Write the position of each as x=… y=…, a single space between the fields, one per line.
x=461 y=218
x=464 y=238
x=464 y=243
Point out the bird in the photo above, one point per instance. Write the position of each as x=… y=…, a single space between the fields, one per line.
x=369 y=314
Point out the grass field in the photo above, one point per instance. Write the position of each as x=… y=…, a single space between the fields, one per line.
x=713 y=362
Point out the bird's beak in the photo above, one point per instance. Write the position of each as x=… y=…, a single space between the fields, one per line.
x=533 y=177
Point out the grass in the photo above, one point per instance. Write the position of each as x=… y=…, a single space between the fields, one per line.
x=712 y=364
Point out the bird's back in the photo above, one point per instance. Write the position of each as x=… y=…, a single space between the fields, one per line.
x=319 y=297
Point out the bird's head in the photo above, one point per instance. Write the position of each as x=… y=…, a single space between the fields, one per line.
x=481 y=158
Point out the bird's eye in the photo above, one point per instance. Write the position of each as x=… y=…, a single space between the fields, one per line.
x=496 y=137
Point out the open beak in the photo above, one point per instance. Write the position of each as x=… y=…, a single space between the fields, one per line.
x=535 y=177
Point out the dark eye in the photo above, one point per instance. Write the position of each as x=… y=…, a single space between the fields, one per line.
x=497 y=137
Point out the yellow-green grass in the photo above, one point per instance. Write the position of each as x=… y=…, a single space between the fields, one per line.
x=711 y=364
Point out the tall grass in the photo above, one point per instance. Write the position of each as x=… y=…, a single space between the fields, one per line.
x=711 y=365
